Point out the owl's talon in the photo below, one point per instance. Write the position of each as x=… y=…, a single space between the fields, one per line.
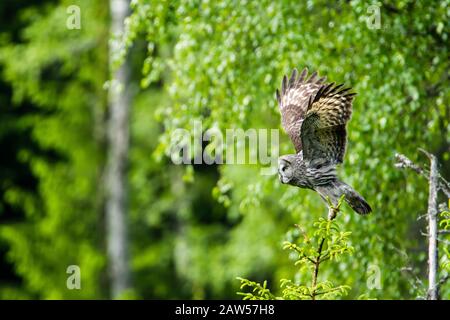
x=332 y=213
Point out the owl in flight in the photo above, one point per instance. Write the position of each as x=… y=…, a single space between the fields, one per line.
x=314 y=114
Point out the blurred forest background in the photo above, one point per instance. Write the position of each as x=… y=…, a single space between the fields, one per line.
x=190 y=230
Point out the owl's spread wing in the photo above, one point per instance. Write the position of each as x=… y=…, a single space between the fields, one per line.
x=293 y=102
x=323 y=131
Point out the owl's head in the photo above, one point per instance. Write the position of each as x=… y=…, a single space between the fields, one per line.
x=286 y=168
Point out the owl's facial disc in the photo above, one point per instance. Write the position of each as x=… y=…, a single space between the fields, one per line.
x=285 y=171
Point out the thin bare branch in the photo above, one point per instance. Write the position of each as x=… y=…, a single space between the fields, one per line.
x=446 y=242
x=421 y=217
x=404 y=162
x=444 y=279
x=424 y=234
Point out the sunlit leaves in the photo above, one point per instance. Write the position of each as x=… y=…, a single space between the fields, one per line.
x=221 y=62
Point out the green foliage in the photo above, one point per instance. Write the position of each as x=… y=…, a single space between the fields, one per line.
x=323 y=290
x=445 y=225
x=193 y=229
x=220 y=62
x=444 y=241
x=259 y=292
x=326 y=243
x=60 y=72
x=335 y=243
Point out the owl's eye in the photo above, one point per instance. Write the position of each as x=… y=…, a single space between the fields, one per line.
x=283 y=169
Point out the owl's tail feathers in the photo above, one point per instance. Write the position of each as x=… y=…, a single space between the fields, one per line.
x=334 y=190
x=355 y=200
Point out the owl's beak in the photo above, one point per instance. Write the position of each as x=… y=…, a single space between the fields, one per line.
x=280 y=176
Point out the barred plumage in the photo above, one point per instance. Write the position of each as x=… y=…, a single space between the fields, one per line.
x=314 y=115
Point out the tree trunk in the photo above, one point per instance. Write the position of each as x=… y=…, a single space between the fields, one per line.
x=116 y=178
x=433 y=288
x=436 y=182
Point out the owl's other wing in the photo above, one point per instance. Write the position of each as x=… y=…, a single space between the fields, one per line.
x=323 y=131
x=293 y=102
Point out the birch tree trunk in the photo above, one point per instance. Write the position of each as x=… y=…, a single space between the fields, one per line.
x=433 y=288
x=436 y=182
x=116 y=178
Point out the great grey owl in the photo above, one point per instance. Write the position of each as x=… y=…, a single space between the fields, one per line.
x=314 y=115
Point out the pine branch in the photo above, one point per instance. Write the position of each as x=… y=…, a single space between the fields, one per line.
x=331 y=244
x=332 y=213
x=316 y=269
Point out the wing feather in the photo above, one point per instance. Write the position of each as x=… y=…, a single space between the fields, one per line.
x=323 y=131
x=293 y=101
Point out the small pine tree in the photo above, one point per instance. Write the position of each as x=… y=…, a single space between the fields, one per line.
x=328 y=243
